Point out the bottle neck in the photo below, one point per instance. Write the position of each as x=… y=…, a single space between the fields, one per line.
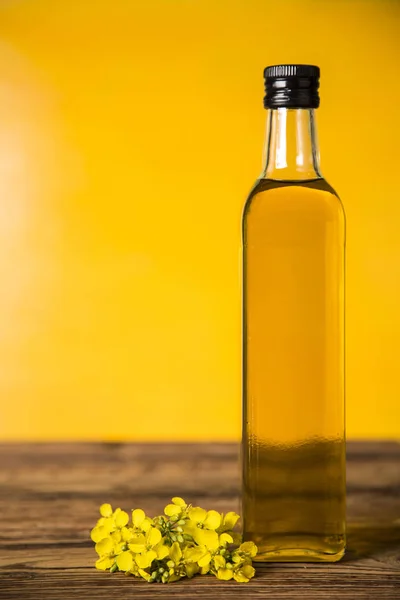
x=291 y=148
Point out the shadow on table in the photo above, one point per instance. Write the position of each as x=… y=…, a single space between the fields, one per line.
x=366 y=540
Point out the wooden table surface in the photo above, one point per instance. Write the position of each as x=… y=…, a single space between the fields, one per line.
x=50 y=493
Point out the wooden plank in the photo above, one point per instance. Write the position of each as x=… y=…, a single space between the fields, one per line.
x=50 y=493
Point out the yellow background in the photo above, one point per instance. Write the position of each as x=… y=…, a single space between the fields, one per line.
x=130 y=134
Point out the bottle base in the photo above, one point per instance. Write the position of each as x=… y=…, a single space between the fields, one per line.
x=297 y=548
x=297 y=555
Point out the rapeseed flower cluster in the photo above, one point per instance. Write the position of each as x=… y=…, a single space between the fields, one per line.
x=183 y=542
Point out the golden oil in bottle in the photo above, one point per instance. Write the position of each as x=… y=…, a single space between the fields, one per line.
x=293 y=337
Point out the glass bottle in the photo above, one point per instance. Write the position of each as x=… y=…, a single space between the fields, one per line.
x=293 y=447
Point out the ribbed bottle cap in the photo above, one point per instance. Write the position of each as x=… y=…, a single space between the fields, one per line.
x=291 y=86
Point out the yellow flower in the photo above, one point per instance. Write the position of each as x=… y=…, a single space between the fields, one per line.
x=196 y=559
x=125 y=561
x=125 y=534
x=104 y=546
x=110 y=521
x=236 y=537
x=221 y=568
x=204 y=537
x=172 y=510
x=138 y=516
x=148 y=554
x=145 y=559
x=203 y=557
x=228 y=522
x=179 y=501
x=192 y=569
x=244 y=574
x=98 y=533
x=175 y=553
x=225 y=539
x=111 y=544
x=140 y=521
x=176 y=508
x=227 y=525
x=192 y=554
x=202 y=525
x=225 y=574
x=106 y=510
x=204 y=561
x=248 y=549
x=172 y=569
x=104 y=562
x=107 y=549
x=143 y=547
x=120 y=517
x=161 y=550
x=219 y=561
x=144 y=574
x=207 y=520
x=141 y=542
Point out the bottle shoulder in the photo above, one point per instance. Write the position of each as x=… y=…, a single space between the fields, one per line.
x=294 y=196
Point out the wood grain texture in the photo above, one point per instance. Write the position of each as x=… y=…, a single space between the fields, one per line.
x=50 y=493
